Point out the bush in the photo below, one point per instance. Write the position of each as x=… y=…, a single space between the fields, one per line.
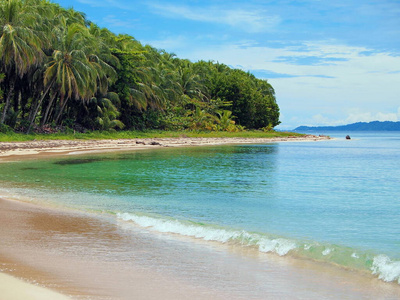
x=5 y=129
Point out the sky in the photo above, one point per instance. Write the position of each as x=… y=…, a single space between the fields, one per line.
x=330 y=62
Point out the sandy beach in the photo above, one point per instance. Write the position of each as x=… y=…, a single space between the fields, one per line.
x=81 y=256
x=60 y=147
x=54 y=253
x=12 y=288
x=76 y=255
x=62 y=254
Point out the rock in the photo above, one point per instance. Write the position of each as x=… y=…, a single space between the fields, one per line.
x=348 y=137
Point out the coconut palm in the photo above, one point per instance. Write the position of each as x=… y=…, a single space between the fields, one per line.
x=102 y=112
x=101 y=59
x=225 y=120
x=78 y=66
x=139 y=80
x=20 y=43
x=1 y=91
x=69 y=69
x=190 y=83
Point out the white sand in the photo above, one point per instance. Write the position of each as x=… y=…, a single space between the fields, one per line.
x=59 y=147
x=14 y=289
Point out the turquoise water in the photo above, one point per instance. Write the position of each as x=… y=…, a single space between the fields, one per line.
x=335 y=201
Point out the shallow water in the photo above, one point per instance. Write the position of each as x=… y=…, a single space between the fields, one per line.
x=332 y=201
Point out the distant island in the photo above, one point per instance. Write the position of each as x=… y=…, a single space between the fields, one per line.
x=359 y=126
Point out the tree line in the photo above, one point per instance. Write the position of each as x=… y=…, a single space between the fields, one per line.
x=59 y=69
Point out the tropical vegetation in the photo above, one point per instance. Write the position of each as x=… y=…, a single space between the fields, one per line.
x=59 y=70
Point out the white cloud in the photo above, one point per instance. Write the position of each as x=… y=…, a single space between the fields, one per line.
x=357 y=115
x=352 y=116
x=347 y=84
x=320 y=119
x=250 y=20
x=368 y=82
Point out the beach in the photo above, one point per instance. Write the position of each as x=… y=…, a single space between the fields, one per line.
x=70 y=252
x=95 y=256
x=61 y=147
x=83 y=257
x=14 y=289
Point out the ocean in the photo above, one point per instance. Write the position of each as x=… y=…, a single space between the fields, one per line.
x=334 y=202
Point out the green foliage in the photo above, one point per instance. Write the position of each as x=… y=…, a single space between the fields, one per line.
x=5 y=129
x=98 y=135
x=61 y=69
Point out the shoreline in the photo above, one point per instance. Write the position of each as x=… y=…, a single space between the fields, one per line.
x=10 y=150
x=56 y=253
x=37 y=242
x=80 y=255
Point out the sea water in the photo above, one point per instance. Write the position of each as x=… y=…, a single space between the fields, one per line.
x=335 y=201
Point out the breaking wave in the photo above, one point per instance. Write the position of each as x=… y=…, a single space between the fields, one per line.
x=381 y=266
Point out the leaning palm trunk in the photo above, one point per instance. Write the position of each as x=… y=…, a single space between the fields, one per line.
x=62 y=107
x=46 y=114
x=8 y=100
x=33 y=117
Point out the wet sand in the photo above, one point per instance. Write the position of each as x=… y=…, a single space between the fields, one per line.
x=79 y=256
x=87 y=256
x=12 y=288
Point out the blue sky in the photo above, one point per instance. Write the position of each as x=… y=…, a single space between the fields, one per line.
x=330 y=62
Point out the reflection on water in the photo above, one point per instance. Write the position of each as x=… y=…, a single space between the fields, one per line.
x=189 y=183
x=330 y=201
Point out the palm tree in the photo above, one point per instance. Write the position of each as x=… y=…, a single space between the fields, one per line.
x=139 y=80
x=70 y=69
x=20 y=43
x=102 y=112
x=200 y=119
x=101 y=58
x=225 y=119
x=75 y=45
x=190 y=82
x=1 y=80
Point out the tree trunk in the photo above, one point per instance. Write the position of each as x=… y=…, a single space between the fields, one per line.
x=46 y=115
x=33 y=117
x=8 y=100
x=62 y=104
x=32 y=109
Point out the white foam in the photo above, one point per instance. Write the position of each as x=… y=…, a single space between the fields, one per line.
x=355 y=255
x=174 y=226
x=326 y=251
x=279 y=245
x=386 y=269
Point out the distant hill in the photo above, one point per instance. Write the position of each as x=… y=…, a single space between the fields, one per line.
x=360 y=126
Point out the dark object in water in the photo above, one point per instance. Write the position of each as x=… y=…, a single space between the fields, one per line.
x=348 y=137
x=77 y=161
